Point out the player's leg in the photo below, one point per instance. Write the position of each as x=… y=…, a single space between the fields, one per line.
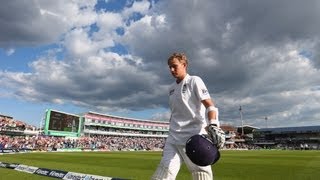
x=198 y=172
x=169 y=165
x=201 y=176
x=162 y=173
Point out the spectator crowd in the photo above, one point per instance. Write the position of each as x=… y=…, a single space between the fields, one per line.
x=112 y=143
x=9 y=124
x=51 y=143
x=127 y=139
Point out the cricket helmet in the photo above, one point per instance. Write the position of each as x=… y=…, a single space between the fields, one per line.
x=201 y=151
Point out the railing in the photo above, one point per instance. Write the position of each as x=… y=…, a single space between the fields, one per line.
x=86 y=131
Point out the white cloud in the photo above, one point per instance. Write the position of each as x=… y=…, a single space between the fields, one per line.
x=10 y=51
x=108 y=22
x=42 y=22
x=141 y=7
x=248 y=54
x=79 y=45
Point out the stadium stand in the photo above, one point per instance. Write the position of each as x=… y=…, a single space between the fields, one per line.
x=302 y=138
x=10 y=126
x=98 y=132
x=235 y=139
x=101 y=124
x=105 y=132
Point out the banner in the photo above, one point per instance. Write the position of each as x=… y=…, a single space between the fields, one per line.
x=10 y=150
x=54 y=173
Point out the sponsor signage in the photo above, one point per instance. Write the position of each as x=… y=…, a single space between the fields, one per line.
x=4 y=165
x=74 y=176
x=8 y=165
x=94 y=177
x=57 y=174
x=12 y=166
x=42 y=171
x=27 y=169
x=54 y=173
x=7 y=150
x=51 y=173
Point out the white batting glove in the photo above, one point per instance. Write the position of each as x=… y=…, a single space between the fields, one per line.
x=217 y=135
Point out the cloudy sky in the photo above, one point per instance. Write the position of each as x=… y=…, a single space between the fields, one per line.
x=109 y=56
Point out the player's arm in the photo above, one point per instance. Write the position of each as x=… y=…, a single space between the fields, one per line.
x=212 y=112
x=215 y=133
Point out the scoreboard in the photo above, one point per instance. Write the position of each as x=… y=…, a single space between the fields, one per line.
x=61 y=124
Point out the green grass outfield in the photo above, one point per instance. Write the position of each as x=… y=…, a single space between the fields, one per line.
x=233 y=165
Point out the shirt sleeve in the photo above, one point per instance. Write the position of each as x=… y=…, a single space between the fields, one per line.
x=200 y=89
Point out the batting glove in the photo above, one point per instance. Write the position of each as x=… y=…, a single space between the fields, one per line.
x=217 y=135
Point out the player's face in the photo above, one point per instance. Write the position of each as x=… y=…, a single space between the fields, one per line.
x=178 y=69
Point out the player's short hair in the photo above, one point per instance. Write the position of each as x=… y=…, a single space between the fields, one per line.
x=180 y=56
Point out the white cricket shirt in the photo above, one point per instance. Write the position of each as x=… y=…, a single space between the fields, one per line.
x=188 y=114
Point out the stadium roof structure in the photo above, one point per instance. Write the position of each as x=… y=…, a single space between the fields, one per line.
x=281 y=130
x=5 y=116
x=128 y=118
x=247 y=129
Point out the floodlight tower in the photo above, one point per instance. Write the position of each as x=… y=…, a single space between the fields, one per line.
x=41 y=124
x=266 y=119
x=242 y=132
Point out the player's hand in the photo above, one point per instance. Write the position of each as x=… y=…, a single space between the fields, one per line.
x=217 y=135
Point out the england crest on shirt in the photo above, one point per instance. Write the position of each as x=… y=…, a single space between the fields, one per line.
x=184 y=88
x=204 y=91
x=171 y=92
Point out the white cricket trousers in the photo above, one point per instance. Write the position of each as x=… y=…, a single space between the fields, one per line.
x=172 y=158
